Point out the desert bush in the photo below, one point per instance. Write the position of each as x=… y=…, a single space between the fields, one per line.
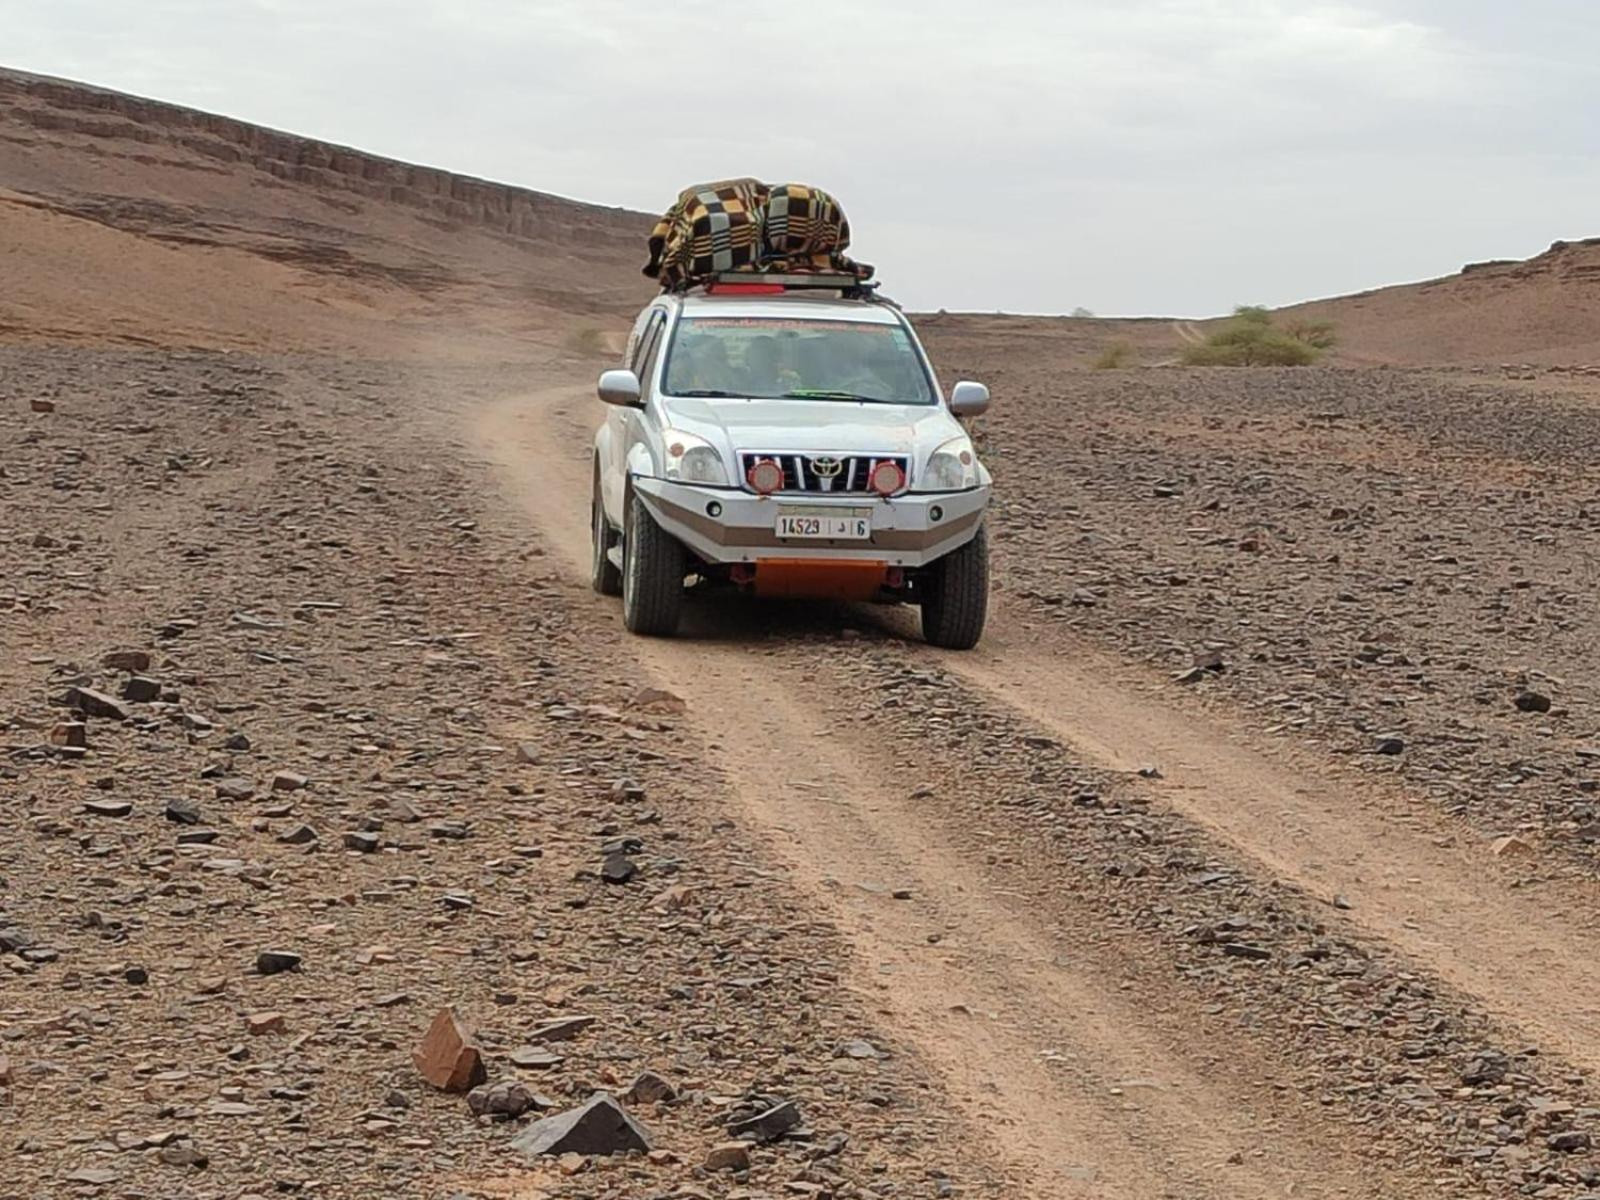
x=1250 y=339
x=1117 y=354
x=1313 y=333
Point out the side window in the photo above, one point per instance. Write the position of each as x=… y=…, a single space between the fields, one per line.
x=641 y=325
x=650 y=352
x=647 y=341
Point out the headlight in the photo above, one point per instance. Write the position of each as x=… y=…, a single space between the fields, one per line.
x=953 y=467
x=693 y=460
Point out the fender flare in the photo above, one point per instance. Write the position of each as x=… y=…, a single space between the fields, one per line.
x=640 y=461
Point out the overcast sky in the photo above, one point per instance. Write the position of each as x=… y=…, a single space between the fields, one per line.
x=1169 y=157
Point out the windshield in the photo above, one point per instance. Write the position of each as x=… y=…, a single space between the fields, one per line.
x=776 y=358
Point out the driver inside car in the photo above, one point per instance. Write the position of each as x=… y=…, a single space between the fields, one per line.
x=766 y=374
x=703 y=367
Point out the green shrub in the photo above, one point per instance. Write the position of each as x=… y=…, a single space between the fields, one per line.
x=1117 y=354
x=1250 y=339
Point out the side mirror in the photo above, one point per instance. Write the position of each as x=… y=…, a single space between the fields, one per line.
x=968 y=399
x=620 y=388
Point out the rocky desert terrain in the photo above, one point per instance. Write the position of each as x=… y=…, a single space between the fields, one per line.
x=1253 y=854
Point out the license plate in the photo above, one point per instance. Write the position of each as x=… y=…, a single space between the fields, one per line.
x=827 y=525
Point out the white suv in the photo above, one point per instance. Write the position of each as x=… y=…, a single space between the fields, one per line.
x=784 y=437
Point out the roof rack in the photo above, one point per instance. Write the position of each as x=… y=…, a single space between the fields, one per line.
x=772 y=283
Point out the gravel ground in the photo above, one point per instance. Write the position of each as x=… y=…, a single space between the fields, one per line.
x=383 y=728
x=1394 y=568
x=396 y=745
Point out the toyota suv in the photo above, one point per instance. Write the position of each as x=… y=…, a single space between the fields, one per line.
x=785 y=437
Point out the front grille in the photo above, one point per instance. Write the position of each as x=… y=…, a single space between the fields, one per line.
x=819 y=474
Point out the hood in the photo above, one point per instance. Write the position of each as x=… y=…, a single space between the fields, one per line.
x=837 y=426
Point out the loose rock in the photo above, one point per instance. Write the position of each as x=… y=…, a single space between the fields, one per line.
x=560 y=1029
x=135 y=662
x=650 y=1088
x=1511 y=847
x=447 y=1057
x=96 y=704
x=768 y=1125
x=141 y=690
x=505 y=1098
x=108 y=808
x=728 y=1156
x=273 y=962
x=600 y=1126
x=72 y=734
x=182 y=811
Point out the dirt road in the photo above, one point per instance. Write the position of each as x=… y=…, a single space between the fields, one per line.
x=974 y=978
x=1002 y=986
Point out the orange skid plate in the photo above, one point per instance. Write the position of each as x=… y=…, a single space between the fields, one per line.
x=819 y=578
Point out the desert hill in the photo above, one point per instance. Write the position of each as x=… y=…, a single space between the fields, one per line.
x=1542 y=310
x=186 y=228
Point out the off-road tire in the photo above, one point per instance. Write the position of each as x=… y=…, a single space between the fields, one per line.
x=653 y=567
x=956 y=602
x=604 y=575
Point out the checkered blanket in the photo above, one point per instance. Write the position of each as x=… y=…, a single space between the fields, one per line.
x=713 y=227
x=745 y=225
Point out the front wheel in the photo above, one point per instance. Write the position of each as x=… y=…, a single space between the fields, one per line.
x=603 y=573
x=956 y=603
x=653 y=567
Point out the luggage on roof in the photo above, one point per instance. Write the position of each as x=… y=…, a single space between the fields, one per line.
x=712 y=227
x=746 y=225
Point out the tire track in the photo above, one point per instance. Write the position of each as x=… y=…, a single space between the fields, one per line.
x=1531 y=957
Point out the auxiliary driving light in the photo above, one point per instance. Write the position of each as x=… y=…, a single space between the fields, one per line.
x=714 y=509
x=887 y=478
x=765 y=476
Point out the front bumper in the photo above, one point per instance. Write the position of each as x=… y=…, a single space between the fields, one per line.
x=909 y=530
